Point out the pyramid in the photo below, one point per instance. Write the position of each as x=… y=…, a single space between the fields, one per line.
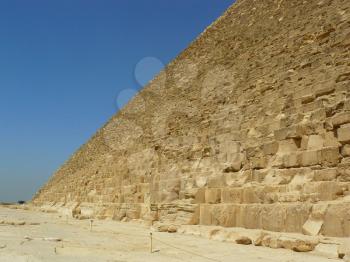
x=248 y=127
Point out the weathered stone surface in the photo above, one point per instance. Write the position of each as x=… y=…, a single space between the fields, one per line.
x=249 y=127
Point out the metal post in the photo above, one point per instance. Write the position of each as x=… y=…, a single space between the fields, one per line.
x=91 y=221
x=151 y=237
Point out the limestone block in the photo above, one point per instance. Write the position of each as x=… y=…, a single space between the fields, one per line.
x=327 y=190
x=252 y=194
x=217 y=215
x=238 y=178
x=162 y=228
x=345 y=151
x=344 y=134
x=319 y=211
x=188 y=193
x=258 y=162
x=315 y=142
x=309 y=128
x=212 y=195
x=143 y=188
x=298 y=244
x=330 y=140
x=304 y=143
x=233 y=166
x=128 y=190
x=270 y=148
x=328 y=250
x=244 y=241
x=322 y=91
x=236 y=161
x=173 y=185
x=250 y=216
x=233 y=147
x=318 y=115
x=200 y=196
x=172 y=229
x=291 y=160
x=240 y=212
x=139 y=198
x=271 y=241
x=227 y=215
x=347 y=104
x=231 y=195
x=310 y=158
x=341 y=119
x=337 y=220
x=296 y=216
x=344 y=172
x=258 y=175
x=273 y=217
x=201 y=181
x=168 y=197
x=216 y=181
x=312 y=227
x=284 y=133
x=288 y=197
x=195 y=219
x=274 y=177
x=329 y=174
x=330 y=156
x=287 y=146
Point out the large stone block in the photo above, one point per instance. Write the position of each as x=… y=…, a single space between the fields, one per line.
x=213 y=195
x=337 y=220
x=341 y=119
x=231 y=195
x=315 y=142
x=329 y=174
x=344 y=135
x=330 y=156
x=345 y=150
x=310 y=158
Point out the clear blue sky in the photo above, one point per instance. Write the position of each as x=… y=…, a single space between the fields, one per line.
x=63 y=64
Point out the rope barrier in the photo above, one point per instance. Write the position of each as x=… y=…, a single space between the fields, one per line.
x=152 y=238
x=186 y=251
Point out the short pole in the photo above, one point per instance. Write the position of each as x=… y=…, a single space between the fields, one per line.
x=91 y=221
x=151 y=237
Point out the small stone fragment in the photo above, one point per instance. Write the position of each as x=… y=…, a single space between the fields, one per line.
x=163 y=228
x=303 y=248
x=172 y=229
x=244 y=241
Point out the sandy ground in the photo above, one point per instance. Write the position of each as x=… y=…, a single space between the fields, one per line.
x=118 y=242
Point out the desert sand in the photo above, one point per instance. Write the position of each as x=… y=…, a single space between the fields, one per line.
x=32 y=236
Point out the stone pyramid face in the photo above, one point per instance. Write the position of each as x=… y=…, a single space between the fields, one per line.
x=248 y=127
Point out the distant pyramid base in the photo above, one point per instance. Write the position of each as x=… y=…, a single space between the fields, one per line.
x=249 y=127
